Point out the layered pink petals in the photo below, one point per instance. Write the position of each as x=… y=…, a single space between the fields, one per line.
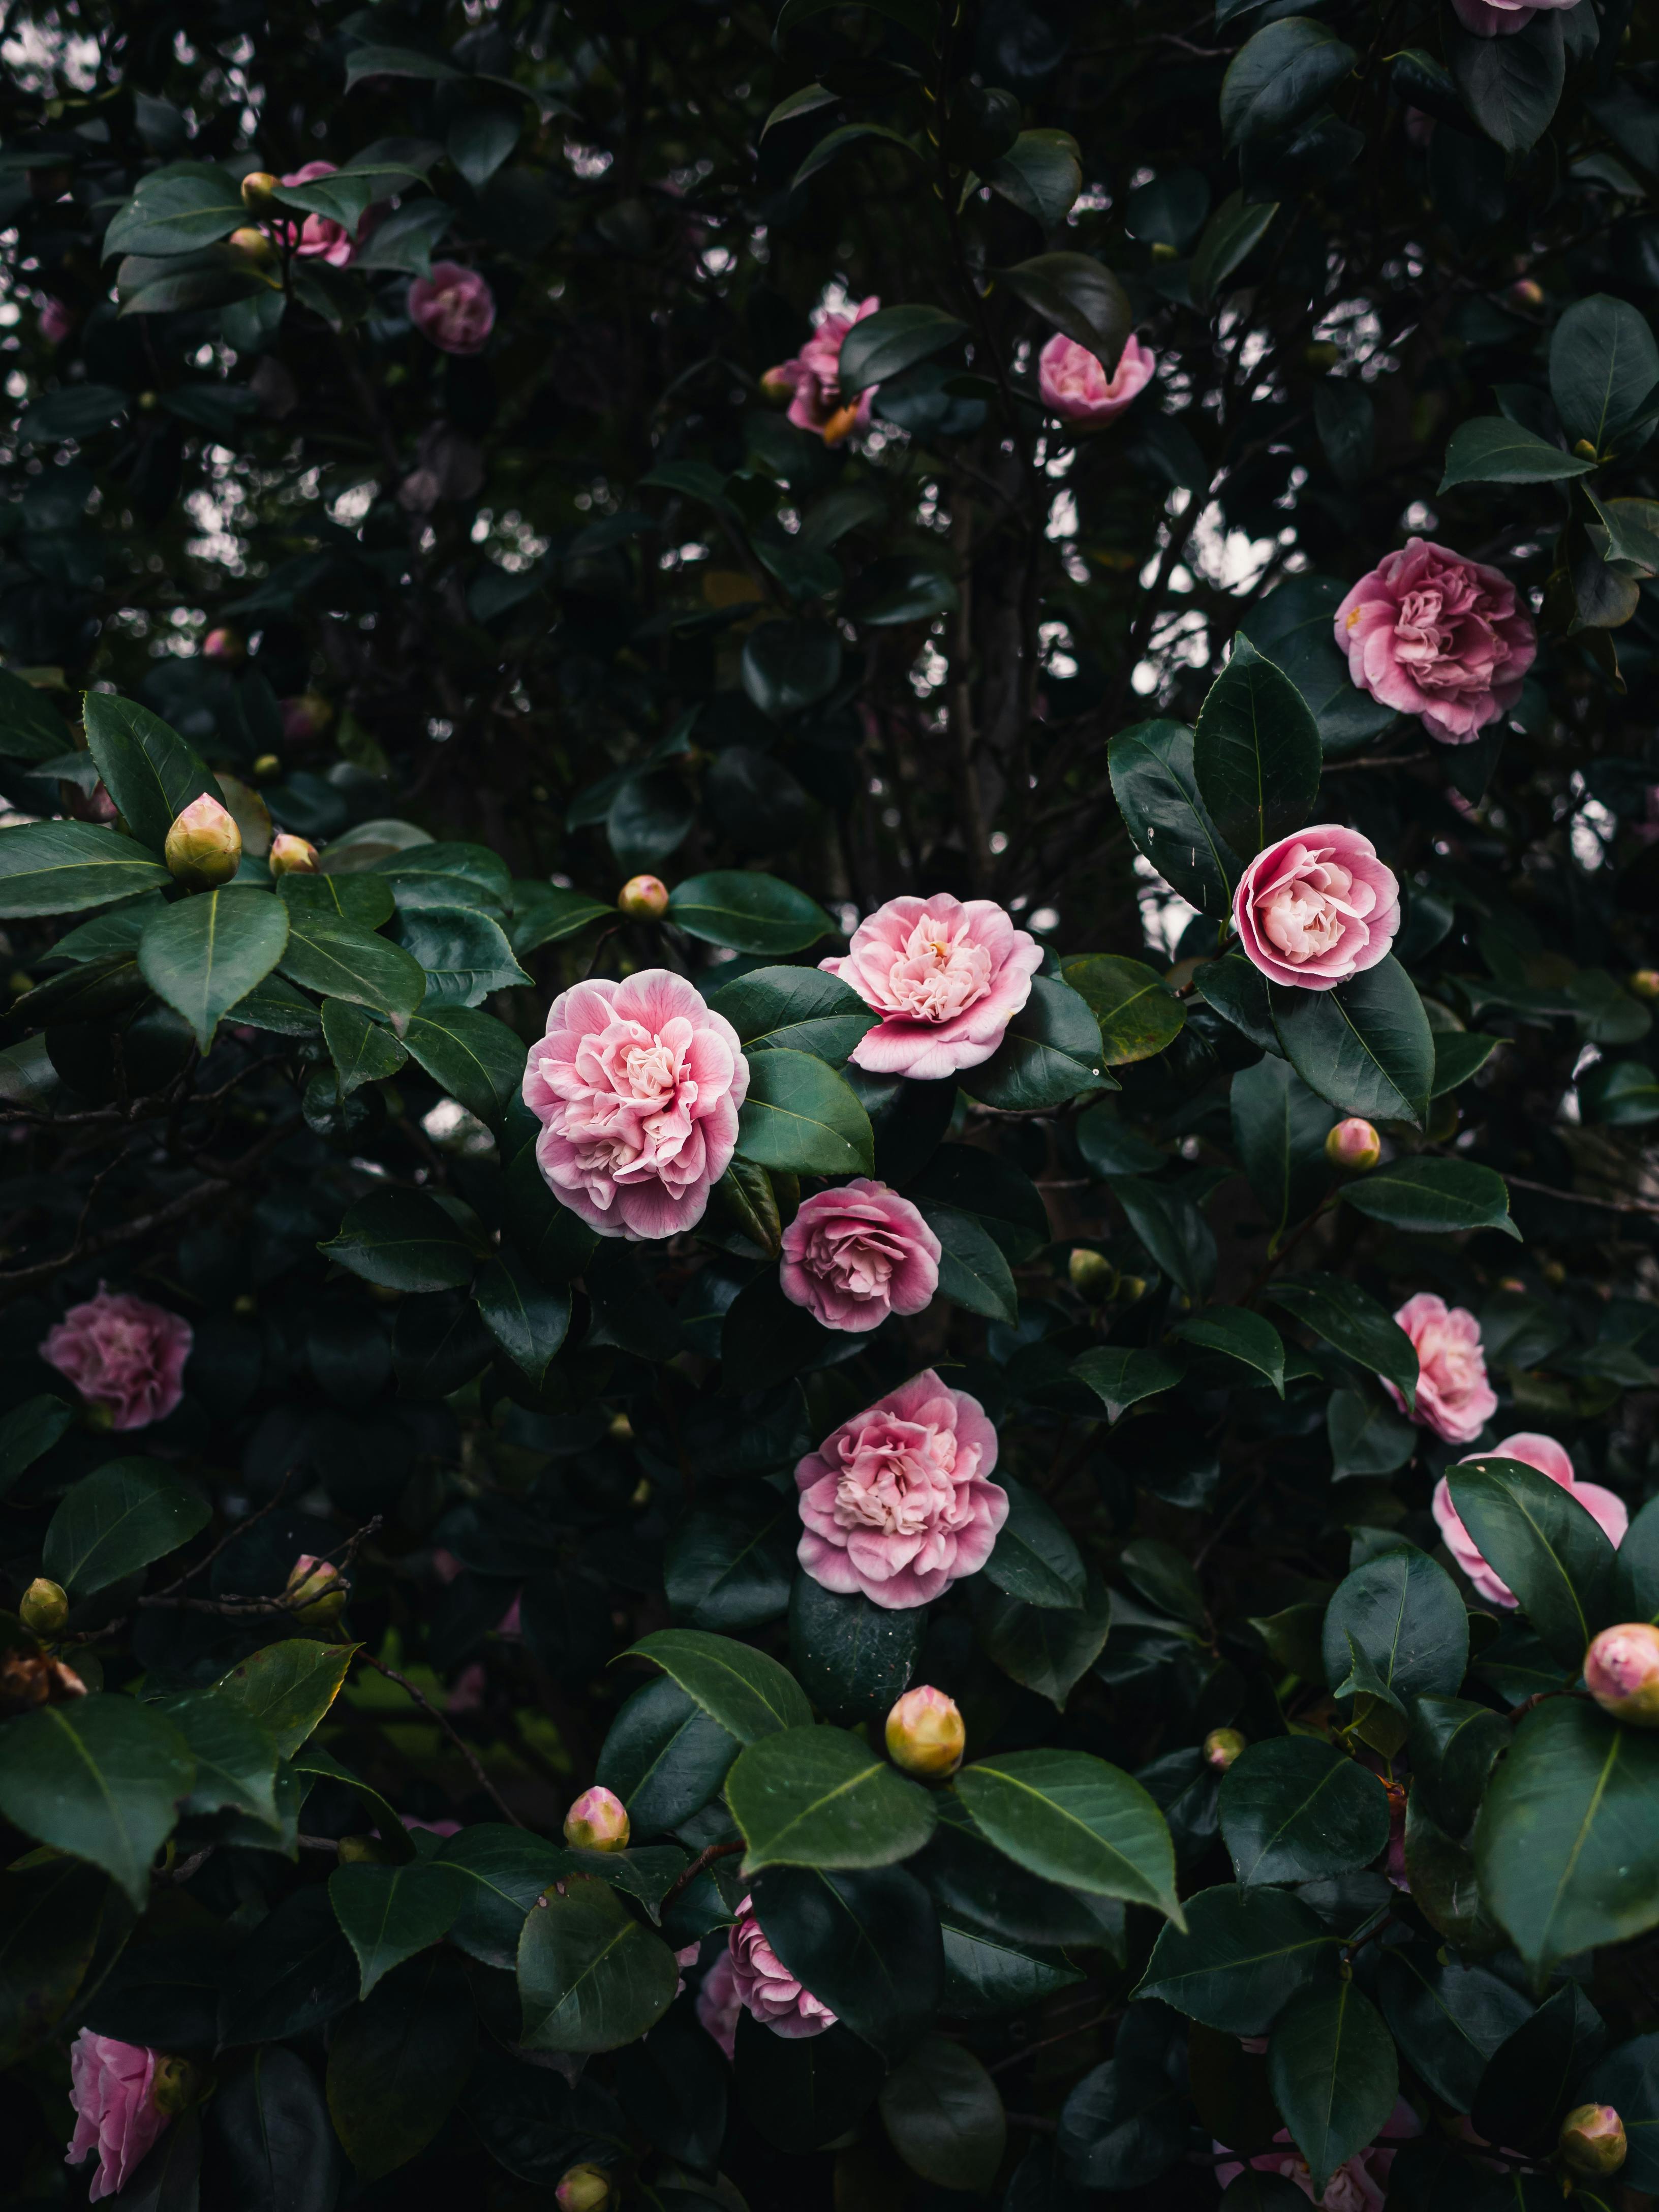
x=319 y=237
x=1432 y=634
x=1550 y=1458
x=1359 y=2185
x=637 y=1085
x=718 y=2003
x=1317 y=907
x=112 y=2088
x=454 y=307
x=812 y=378
x=897 y=1502
x=853 y=1255
x=946 y=977
x=124 y=1354
x=1454 y=1398
x=1075 y=387
x=764 y=1985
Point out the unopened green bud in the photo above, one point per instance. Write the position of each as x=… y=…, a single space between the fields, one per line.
x=205 y=847
x=584 y=2188
x=1092 y=1273
x=1353 y=1144
x=644 y=898
x=926 y=1735
x=597 y=1821
x=364 y=1850
x=1592 y=2139
x=175 y=2085
x=291 y=856
x=45 y=1607
x=259 y=188
x=1222 y=1746
x=316 y=1590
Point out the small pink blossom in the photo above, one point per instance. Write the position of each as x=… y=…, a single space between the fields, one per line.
x=1317 y=907
x=637 y=1086
x=56 y=322
x=319 y=237
x=853 y=1255
x=431 y=1828
x=1549 y=1458
x=1493 y=19
x=1359 y=2185
x=813 y=378
x=112 y=2087
x=718 y=2003
x=945 y=978
x=1430 y=633
x=897 y=1503
x=123 y=1353
x=765 y=1987
x=454 y=307
x=1454 y=1398
x=1075 y=387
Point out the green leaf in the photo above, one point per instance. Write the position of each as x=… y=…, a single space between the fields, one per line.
x=63 y=867
x=1402 y=1611
x=1242 y=1955
x=1567 y=1845
x=1448 y=2019
x=344 y=196
x=101 y=1777
x=364 y=899
x=1171 y=1230
x=1548 y=1548
x=1491 y=449
x=986 y=1975
x=388 y=1913
x=1458 y=1055
x=117 y=1521
x=1049 y=1052
x=1255 y=749
x=800 y=1116
x=664 y=1757
x=810 y=96
x=273 y=2150
x=465 y=954
x=817 y=1797
x=591 y=1977
x=287 y=1687
x=730 y=1565
x=1238 y=1335
x=147 y=768
x=1604 y=365
x=1334 y=2073
x=1431 y=1196
x=748 y=1694
x=203 y=954
x=894 y=339
x=311 y=1759
x=1294 y=626
x=526 y=1318
x=1138 y=1013
x=1046 y=1649
x=176 y=209
x=1041 y=174
x=1295 y=1810
x=905 y=588
x=403 y=1240
x=1511 y=86
x=74 y=410
x=1230 y=237
x=944 y=2116
x=1070 y=1817
x=1156 y=788
x=398 y=2064
x=506 y=1869
x=1367 y=1436
x=292 y=1972
x=27 y=1432
x=854 y=1658
x=368 y=61
x=1628 y=2079
x=1078 y=295
x=235 y=1757
x=750 y=912
x=972 y=1271
x=1366 y=1046
x=343 y=960
x=547 y=913
x=804 y=2093
x=867 y=1943
x=794 y=1009
x=477 y=1059
x=362 y=1050
x=1122 y=1376
x=1352 y=1323
x=276 y=1006
x=1238 y=992
x=1636 y=1569
x=1033 y=1558
x=1279 y=77
x=966 y=1179
x=49 y=1920
x=1164 y=1577
x=1454 y=1743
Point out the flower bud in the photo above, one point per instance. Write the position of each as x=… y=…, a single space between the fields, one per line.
x=777 y=387
x=1585 y=449
x=174 y=2085
x=1222 y=1746
x=926 y=1734
x=259 y=187
x=364 y=1850
x=1645 y=982
x=644 y=898
x=1092 y=1273
x=597 y=1821
x=304 y=716
x=1592 y=2139
x=1621 y=1672
x=1354 y=1145
x=223 y=645
x=252 y=243
x=1526 y=292
x=204 y=846
x=45 y=1607
x=267 y=764
x=317 y=1591
x=291 y=856
x=584 y=2188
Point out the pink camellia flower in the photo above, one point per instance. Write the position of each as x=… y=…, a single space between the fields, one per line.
x=718 y=2003
x=124 y=1354
x=112 y=2087
x=1075 y=387
x=1454 y=1398
x=1494 y=19
x=1432 y=634
x=897 y=1502
x=1549 y=1458
x=853 y=1255
x=1360 y=2184
x=1317 y=907
x=637 y=1085
x=56 y=322
x=454 y=307
x=945 y=978
x=764 y=1985
x=319 y=237
x=813 y=379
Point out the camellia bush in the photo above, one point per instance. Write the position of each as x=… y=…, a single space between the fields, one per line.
x=831 y=1277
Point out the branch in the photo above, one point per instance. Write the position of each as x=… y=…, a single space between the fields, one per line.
x=701 y=1864
x=449 y=1730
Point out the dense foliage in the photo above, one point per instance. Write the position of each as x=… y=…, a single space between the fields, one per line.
x=1041 y=1360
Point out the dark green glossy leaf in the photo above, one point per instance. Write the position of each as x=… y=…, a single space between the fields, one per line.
x=1045 y=1648
x=1236 y=1334
x=799 y=1009
x=1491 y=449
x=101 y=1777
x=1156 y=788
x=944 y=2116
x=1049 y=1052
x=1033 y=1558
x=1244 y=1954
x=362 y=1051
x=1078 y=295
x=63 y=867
x=892 y=338
x=1041 y=174
x=817 y=1797
x=526 y=1318
x=748 y=1694
x=389 y=1913
x=343 y=960
x=403 y=1240
x=1138 y=1013
x=1448 y=2017
x=1352 y=1323
x=287 y=1687
x=800 y=1116
x=804 y=2093
x=1122 y=1376
x=750 y=912
x=1072 y=1818
x=203 y=954
x=1334 y=2073
x=1366 y=1046
x=664 y=1757
x=854 y=1658
x=1294 y=1809
x=269 y=2141
x=731 y=1564
x=117 y=1521
x=1278 y=78
x=866 y=1944
x=1433 y=1197
x=1548 y=1548
x=973 y=1272
x=506 y=1869
x=590 y=1976
x=397 y=2064
x=1255 y=748
x=1402 y=1611
x=147 y=768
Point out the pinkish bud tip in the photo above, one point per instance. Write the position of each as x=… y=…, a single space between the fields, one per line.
x=584 y=2188
x=291 y=856
x=643 y=897
x=204 y=846
x=1592 y=2139
x=1353 y=1144
x=316 y=1589
x=597 y=1821
x=223 y=645
x=926 y=1735
x=1621 y=1672
x=1222 y=1746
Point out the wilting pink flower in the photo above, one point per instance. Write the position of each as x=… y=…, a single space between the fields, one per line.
x=1317 y=907
x=765 y=1986
x=319 y=237
x=1492 y=19
x=853 y=1255
x=1432 y=634
x=945 y=978
x=813 y=378
x=123 y=1353
x=1360 y=2184
x=718 y=2003
x=1075 y=387
x=1454 y=1398
x=112 y=2088
x=1549 y=1458
x=454 y=307
x=897 y=1502
x=637 y=1086
x=56 y=322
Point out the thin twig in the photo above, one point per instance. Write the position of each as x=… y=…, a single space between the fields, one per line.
x=702 y=1862
x=1583 y=1197
x=449 y=1730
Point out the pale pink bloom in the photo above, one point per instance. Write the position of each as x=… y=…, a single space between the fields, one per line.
x=56 y=322
x=1454 y=1398
x=319 y=237
x=637 y=1085
x=813 y=378
x=853 y=1255
x=454 y=307
x=121 y=1352
x=1492 y=19
x=1317 y=907
x=1075 y=387
x=112 y=2087
x=1550 y=1458
x=718 y=2003
x=765 y=1986
x=945 y=978
x=431 y=1828
x=1360 y=2184
x=897 y=1502
x=1433 y=634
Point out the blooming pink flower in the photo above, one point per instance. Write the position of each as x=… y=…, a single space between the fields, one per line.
x=56 y=322
x=853 y=1255
x=454 y=307
x=1317 y=907
x=1075 y=387
x=765 y=1986
x=124 y=1354
x=1550 y=1458
x=319 y=237
x=1360 y=2184
x=946 y=979
x=1432 y=634
x=637 y=1086
x=1491 y=19
x=718 y=2003
x=110 y=2087
x=897 y=1502
x=1454 y=1398
x=813 y=377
